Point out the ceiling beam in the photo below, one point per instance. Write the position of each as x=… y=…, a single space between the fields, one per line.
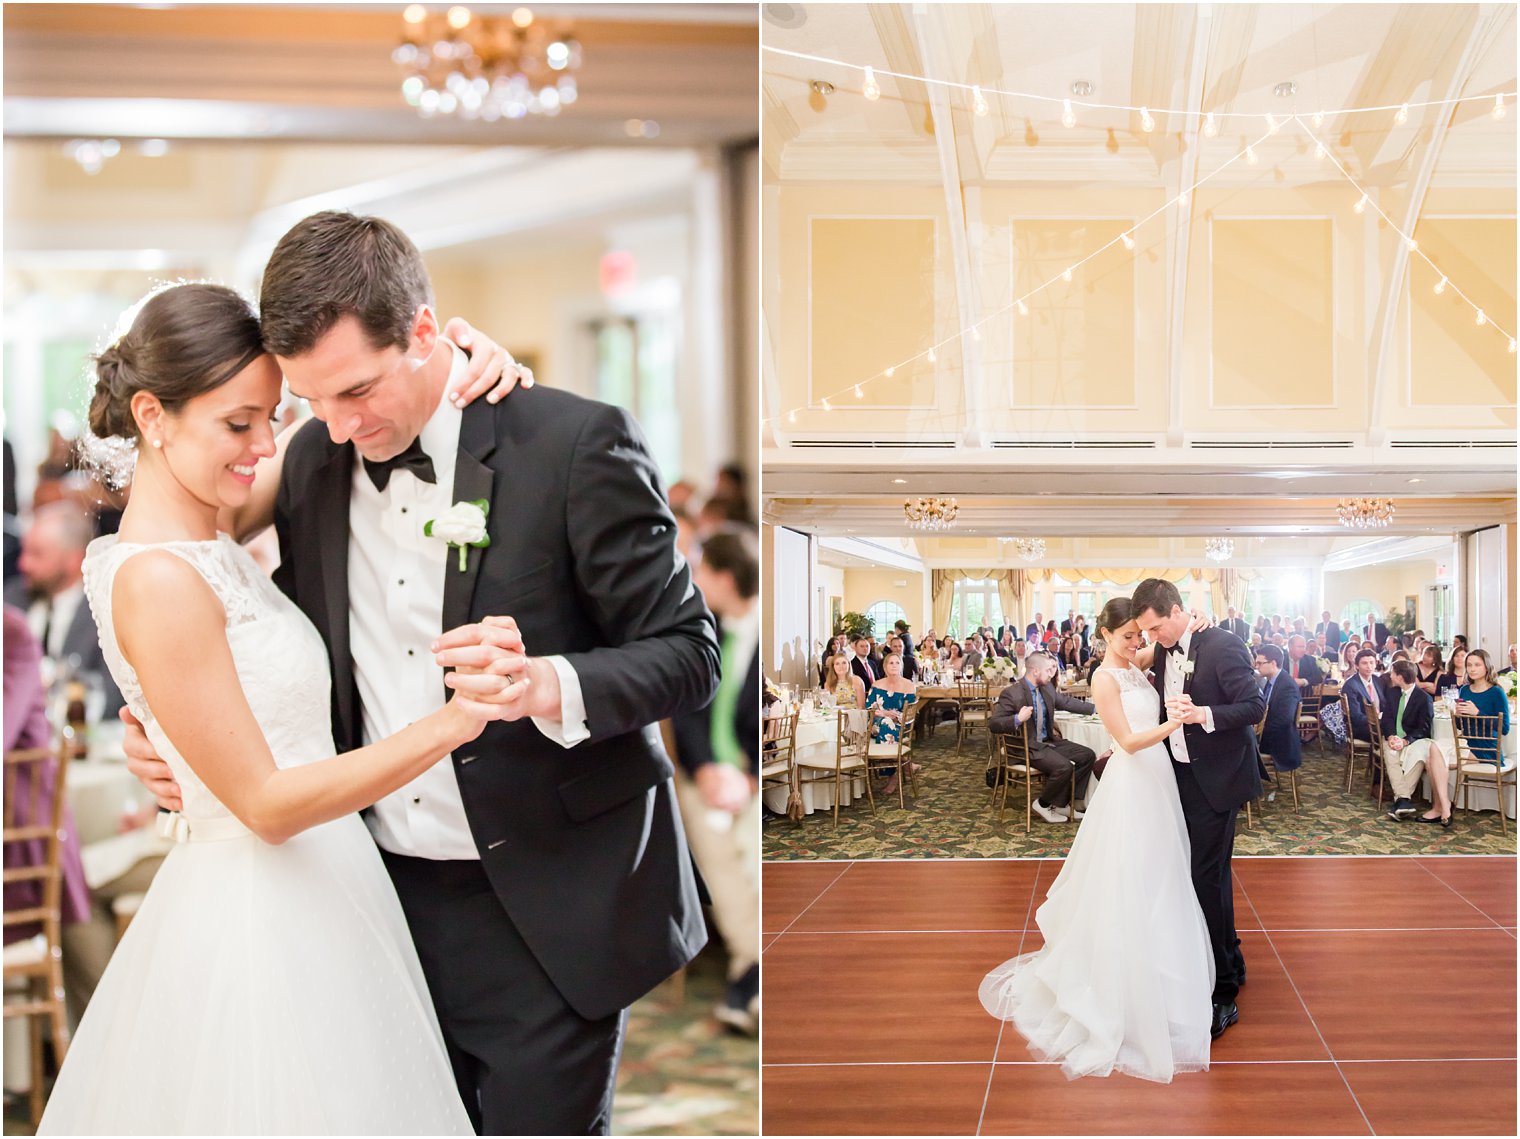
x=1179 y=221
x=933 y=50
x=1437 y=122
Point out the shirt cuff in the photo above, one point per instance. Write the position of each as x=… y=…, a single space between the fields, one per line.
x=571 y=728
x=1208 y=719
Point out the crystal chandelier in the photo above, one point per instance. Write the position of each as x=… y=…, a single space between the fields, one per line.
x=930 y=513
x=485 y=67
x=1219 y=549
x=1030 y=549
x=1364 y=513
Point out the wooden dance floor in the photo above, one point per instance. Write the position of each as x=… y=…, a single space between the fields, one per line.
x=1380 y=1000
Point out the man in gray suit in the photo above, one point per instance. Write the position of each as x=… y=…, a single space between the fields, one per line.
x=50 y=591
x=1065 y=764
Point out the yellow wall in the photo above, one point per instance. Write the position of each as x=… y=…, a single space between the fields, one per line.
x=863 y=587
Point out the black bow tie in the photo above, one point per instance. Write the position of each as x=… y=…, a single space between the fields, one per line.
x=413 y=459
x=1176 y=649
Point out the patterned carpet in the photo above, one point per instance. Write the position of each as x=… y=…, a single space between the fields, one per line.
x=952 y=818
x=683 y=1073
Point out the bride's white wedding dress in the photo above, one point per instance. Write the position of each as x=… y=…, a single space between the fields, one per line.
x=260 y=989
x=1124 y=980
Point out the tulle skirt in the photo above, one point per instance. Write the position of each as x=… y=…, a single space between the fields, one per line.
x=270 y=990
x=1125 y=978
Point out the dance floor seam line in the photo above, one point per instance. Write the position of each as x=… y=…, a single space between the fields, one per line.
x=1457 y=892
x=816 y=899
x=1057 y=1063
x=1275 y=929
x=1292 y=984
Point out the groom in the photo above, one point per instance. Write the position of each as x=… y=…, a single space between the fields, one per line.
x=1206 y=679
x=543 y=870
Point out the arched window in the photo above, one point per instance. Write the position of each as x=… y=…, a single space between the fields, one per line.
x=885 y=614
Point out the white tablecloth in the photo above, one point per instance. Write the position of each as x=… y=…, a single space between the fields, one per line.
x=99 y=793
x=817 y=738
x=1480 y=796
x=1088 y=733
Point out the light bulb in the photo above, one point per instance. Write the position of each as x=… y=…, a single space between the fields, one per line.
x=1319 y=151
x=1066 y=276
x=1147 y=124
x=1480 y=320
x=1440 y=286
x=1412 y=243
x=871 y=89
x=1401 y=116
x=1129 y=242
x=1023 y=308
x=1068 y=116
x=791 y=416
x=932 y=356
x=1319 y=118
x=1361 y=205
x=976 y=333
x=978 y=101
x=1251 y=155
x=1272 y=124
x=1210 y=127
x=826 y=406
x=1182 y=198
x=1498 y=113
x=891 y=371
x=1511 y=345
x=858 y=393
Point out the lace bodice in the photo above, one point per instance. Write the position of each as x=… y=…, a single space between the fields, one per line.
x=280 y=658
x=1142 y=704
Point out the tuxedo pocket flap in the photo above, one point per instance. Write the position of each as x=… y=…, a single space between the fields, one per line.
x=608 y=786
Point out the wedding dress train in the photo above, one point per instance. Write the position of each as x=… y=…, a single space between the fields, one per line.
x=1124 y=980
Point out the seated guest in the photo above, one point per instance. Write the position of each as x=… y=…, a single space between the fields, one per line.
x=862 y=664
x=1391 y=646
x=1408 y=749
x=887 y=699
x=1481 y=697
x=1004 y=646
x=910 y=666
x=1361 y=689
x=848 y=690
x=1084 y=635
x=1279 y=737
x=1428 y=670
x=837 y=646
x=974 y=655
x=1458 y=640
x=1072 y=655
x=1035 y=699
x=1096 y=660
x=1050 y=639
x=1509 y=668
x=955 y=659
x=1456 y=672
x=1303 y=668
x=1350 y=650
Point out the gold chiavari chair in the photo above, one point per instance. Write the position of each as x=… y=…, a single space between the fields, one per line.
x=897 y=753
x=1308 y=715
x=1011 y=760
x=975 y=709
x=1483 y=730
x=1354 y=746
x=1376 y=761
x=847 y=763
x=34 y=798
x=778 y=759
x=1274 y=773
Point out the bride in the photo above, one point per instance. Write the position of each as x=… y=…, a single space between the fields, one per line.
x=268 y=983
x=1124 y=979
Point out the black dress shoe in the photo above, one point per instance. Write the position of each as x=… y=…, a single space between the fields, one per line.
x=1224 y=1016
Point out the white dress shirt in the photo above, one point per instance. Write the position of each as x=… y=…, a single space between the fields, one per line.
x=396 y=581
x=1174 y=682
x=62 y=607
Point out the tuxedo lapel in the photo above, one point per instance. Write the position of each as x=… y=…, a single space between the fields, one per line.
x=331 y=487
x=1189 y=671
x=473 y=481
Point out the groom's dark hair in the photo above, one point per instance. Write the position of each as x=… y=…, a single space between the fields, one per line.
x=336 y=264
x=1156 y=594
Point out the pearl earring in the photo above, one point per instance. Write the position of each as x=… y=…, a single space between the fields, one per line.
x=159 y=443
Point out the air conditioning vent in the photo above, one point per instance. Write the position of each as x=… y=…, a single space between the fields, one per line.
x=1453 y=444
x=1270 y=444
x=1075 y=444
x=878 y=444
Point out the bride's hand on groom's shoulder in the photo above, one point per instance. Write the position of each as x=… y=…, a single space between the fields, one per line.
x=491 y=368
x=1198 y=621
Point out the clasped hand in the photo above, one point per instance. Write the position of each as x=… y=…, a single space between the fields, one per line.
x=1184 y=711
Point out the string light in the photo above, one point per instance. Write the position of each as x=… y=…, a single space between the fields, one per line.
x=1511 y=345
x=1182 y=198
x=1066 y=276
x=1412 y=243
x=1319 y=118
x=1210 y=127
x=1147 y=124
x=1361 y=205
x=1498 y=113
x=978 y=102
x=871 y=89
x=891 y=371
x=1023 y=308
x=1480 y=320
x=1319 y=152
x=1251 y=155
x=1272 y=124
x=791 y=416
x=1401 y=116
x=1129 y=242
x=932 y=357
x=859 y=394
x=826 y=406
x=976 y=333
x=1440 y=286
x=1068 y=116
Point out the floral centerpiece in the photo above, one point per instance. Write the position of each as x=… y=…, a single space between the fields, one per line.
x=1509 y=680
x=998 y=668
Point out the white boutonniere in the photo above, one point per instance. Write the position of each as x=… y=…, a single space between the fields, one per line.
x=462 y=527
x=1188 y=666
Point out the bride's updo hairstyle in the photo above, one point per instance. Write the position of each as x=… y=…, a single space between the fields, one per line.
x=183 y=342
x=1116 y=614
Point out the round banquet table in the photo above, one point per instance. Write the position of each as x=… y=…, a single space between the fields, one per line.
x=817 y=736
x=1480 y=796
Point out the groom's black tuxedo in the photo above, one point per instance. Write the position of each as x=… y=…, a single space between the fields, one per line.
x=582 y=847
x=1221 y=775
